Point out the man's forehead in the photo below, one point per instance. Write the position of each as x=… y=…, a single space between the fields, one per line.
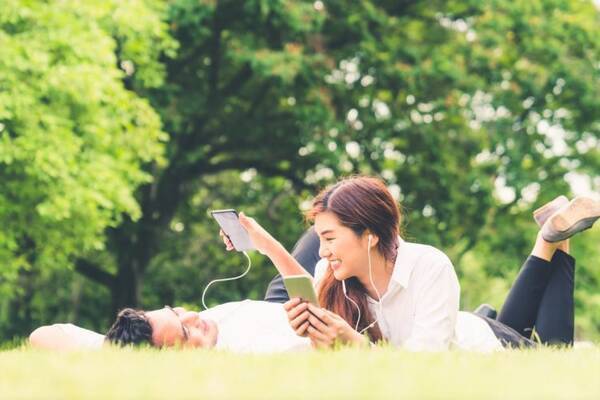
x=165 y=326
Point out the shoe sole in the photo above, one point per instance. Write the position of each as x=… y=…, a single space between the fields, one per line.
x=578 y=216
x=544 y=212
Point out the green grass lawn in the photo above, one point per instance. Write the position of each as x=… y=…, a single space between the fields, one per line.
x=343 y=374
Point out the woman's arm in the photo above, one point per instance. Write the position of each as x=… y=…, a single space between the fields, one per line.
x=306 y=252
x=269 y=246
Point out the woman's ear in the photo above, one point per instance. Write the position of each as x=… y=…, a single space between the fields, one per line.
x=372 y=239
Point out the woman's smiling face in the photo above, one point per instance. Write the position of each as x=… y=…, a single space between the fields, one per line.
x=345 y=250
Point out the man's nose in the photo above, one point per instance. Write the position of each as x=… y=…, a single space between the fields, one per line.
x=190 y=317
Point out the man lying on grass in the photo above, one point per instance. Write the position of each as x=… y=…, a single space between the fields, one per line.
x=541 y=298
x=245 y=326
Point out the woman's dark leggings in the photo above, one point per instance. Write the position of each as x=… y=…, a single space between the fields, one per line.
x=542 y=298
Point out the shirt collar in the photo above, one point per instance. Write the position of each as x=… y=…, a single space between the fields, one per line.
x=403 y=265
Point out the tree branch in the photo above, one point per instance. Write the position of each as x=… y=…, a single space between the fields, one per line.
x=95 y=273
x=233 y=86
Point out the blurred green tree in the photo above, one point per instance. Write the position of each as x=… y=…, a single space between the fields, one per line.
x=73 y=138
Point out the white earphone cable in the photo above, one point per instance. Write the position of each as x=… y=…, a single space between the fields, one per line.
x=226 y=279
x=353 y=302
x=374 y=287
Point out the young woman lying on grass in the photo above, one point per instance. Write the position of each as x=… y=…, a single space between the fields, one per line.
x=370 y=280
x=417 y=285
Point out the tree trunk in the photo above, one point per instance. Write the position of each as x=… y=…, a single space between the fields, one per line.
x=126 y=290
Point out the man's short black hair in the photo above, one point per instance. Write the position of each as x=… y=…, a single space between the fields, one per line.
x=130 y=328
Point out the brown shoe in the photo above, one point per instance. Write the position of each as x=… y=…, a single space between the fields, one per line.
x=544 y=212
x=579 y=215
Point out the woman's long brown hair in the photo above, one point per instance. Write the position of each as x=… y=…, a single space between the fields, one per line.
x=360 y=203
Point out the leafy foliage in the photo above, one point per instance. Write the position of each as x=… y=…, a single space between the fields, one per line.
x=73 y=139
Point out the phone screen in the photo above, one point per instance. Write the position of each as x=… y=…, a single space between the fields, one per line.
x=230 y=224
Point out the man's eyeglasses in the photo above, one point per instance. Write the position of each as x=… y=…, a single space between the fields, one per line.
x=183 y=328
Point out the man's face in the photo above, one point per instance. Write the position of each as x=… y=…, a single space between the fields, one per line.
x=179 y=327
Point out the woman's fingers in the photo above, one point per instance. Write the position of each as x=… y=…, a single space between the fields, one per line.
x=317 y=338
x=301 y=331
x=320 y=313
x=247 y=222
x=317 y=323
x=315 y=334
x=297 y=314
x=303 y=321
x=226 y=240
x=296 y=310
x=291 y=303
x=299 y=320
x=333 y=316
x=261 y=239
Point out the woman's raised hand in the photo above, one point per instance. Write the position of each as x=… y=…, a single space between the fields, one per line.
x=267 y=245
x=261 y=239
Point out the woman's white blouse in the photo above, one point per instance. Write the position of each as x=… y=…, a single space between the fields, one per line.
x=419 y=309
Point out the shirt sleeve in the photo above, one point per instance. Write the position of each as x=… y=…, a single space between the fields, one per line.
x=436 y=310
x=80 y=338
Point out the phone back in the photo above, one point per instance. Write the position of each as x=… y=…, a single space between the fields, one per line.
x=230 y=224
x=301 y=286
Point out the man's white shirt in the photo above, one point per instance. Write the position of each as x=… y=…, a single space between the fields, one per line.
x=255 y=327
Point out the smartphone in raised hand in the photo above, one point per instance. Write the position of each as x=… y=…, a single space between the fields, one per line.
x=229 y=222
